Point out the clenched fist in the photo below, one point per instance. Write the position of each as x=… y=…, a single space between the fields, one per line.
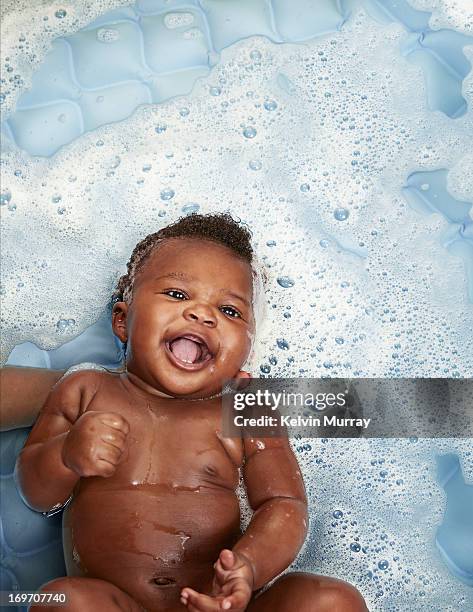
x=95 y=444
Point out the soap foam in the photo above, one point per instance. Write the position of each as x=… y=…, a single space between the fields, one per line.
x=455 y=14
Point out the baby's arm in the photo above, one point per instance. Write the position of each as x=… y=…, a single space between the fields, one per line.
x=276 y=494
x=68 y=442
x=22 y=393
x=274 y=536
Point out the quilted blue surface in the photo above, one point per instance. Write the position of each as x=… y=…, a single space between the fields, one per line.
x=156 y=50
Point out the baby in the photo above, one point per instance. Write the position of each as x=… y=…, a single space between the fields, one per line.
x=154 y=523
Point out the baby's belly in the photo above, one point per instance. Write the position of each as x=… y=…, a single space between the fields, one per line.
x=151 y=541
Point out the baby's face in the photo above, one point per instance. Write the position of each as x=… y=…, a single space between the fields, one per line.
x=190 y=322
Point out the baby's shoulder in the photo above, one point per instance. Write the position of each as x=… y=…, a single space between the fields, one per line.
x=75 y=390
x=74 y=380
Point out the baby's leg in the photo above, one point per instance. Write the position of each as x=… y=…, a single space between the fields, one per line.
x=308 y=593
x=88 y=595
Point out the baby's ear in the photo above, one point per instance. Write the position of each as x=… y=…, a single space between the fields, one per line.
x=119 y=318
x=243 y=374
x=244 y=379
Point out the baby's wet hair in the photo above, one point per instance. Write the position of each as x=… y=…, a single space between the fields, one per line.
x=221 y=228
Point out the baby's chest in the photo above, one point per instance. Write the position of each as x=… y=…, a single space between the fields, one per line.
x=172 y=446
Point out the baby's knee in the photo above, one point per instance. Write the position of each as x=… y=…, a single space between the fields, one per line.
x=58 y=586
x=327 y=594
x=341 y=597
x=87 y=594
x=322 y=593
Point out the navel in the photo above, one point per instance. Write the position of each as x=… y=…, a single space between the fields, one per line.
x=163 y=581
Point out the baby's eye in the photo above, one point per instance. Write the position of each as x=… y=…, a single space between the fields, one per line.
x=231 y=312
x=176 y=293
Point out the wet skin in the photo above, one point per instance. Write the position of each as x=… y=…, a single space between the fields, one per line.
x=155 y=513
x=189 y=286
x=154 y=482
x=160 y=521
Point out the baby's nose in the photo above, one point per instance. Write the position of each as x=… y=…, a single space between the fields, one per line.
x=201 y=313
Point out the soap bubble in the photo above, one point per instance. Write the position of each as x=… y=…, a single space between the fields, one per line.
x=167 y=194
x=65 y=325
x=285 y=281
x=249 y=132
x=115 y=162
x=192 y=207
x=270 y=105
x=282 y=344
x=5 y=197
x=255 y=164
x=341 y=214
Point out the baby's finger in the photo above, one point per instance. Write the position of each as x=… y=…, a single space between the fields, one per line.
x=115 y=437
x=220 y=573
x=227 y=559
x=237 y=595
x=201 y=602
x=234 y=602
x=105 y=469
x=192 y=608
x=110 y=453
x=116 y=421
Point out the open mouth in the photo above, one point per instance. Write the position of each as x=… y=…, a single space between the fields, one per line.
x=189 y=352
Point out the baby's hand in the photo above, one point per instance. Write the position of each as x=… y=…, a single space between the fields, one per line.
x=95 y=444
x=232 y=586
